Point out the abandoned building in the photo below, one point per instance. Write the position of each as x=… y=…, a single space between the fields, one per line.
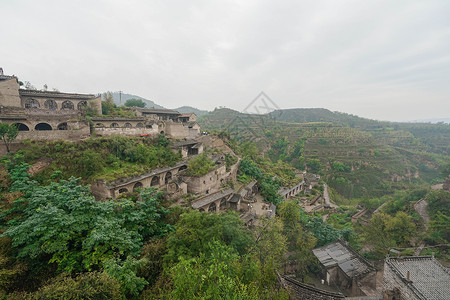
x=187 y=147
x=347 y=269
x=162 y=178
x=45 y=115
x=150 y=122
x=287 y=193
x=213 y=180
x=216 y=202
x=415 y=278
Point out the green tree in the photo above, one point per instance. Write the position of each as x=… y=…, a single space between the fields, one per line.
x=200 y=165
x=300 y=242
x=195 y=230
x=64 y=224
x=217 y=273
x=376 y=234
x=93 y=285
x=401 y=228
x=135 y=103
x=108 y=105
x=8 y=133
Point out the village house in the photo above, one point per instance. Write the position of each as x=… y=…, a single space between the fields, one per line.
x=346 y=268
x=415 y=278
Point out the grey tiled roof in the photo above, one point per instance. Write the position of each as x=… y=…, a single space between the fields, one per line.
x=341 y=255
x=428 y=278
x=211 y=198
x=158 y=111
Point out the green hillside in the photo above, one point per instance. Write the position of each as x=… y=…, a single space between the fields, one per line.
x=357 y=157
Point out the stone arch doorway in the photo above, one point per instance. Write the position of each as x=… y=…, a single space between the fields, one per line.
x=139 y=125
x=62 y=126
x=43 y=126
x=22 y=127
x=212 y=207
x=138 y=185
x=155 y=181
x=123 y=190
x=127 y=125
x=162 y=132
x=114 y=125
x=168 y=177
x=99 y=125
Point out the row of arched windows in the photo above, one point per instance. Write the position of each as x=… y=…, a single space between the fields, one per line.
x=41 y=126
x=126 y=125
x=52 y=105
x=154 y=182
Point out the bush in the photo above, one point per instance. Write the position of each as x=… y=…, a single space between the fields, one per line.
x=93 y=285
x=200 y=165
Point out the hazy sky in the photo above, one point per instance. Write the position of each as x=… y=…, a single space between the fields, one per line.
x=387 y=60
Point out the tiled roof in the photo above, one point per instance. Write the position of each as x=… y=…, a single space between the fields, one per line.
x=339 y=254
x=158 y=111
x=184 y=143
x=211 y=198
x=428 y=278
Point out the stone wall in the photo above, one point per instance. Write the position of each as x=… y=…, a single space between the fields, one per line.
x=107 y=131
x=393 y=282
x=51 y=135
x=9 y=93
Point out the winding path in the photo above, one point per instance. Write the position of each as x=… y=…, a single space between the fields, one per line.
x=421 y=208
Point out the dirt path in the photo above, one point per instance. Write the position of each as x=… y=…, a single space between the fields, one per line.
x=421 y=208
x=326 y=197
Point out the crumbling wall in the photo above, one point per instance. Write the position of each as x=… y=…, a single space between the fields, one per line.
x=126 y=131
x=9 y=93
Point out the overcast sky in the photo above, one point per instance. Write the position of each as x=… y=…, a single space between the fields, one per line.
x=386 y=60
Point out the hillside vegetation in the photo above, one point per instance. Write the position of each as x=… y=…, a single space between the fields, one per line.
x=357 y=156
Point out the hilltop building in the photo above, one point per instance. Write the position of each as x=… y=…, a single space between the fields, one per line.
x=45 y=115
x=51 y=115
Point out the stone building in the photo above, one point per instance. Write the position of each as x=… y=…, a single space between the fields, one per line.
x=213 y=180
x=150 y=122
x=187 y=147
x=45 y=115
x=165 y=179
x=50 y=115
x=347 y=269
x=415 y=278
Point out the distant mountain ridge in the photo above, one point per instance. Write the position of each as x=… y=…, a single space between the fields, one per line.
x=118 y=99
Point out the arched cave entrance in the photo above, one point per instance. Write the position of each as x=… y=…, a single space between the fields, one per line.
x=42 y=126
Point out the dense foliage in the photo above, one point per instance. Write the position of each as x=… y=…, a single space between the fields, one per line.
x=103 y=158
